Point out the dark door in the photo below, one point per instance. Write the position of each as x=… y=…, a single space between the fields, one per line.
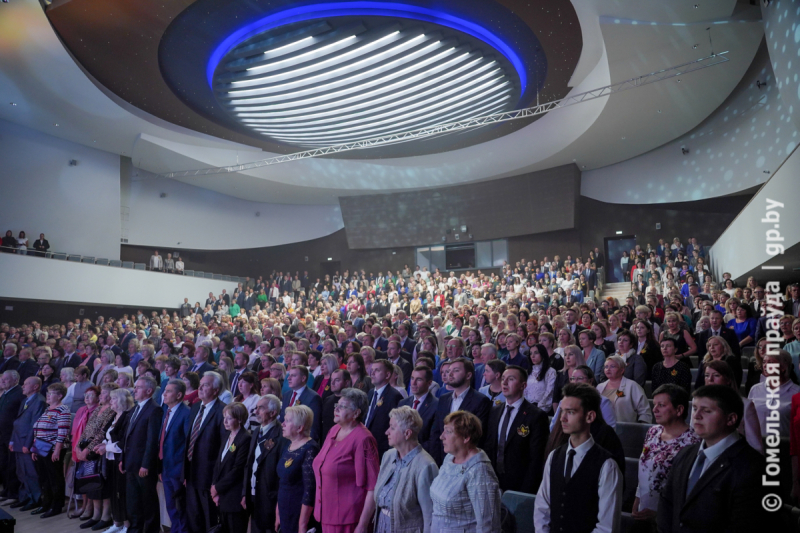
x=330 y=268
x=614 y=248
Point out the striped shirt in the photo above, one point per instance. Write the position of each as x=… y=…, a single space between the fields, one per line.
x=53 y=426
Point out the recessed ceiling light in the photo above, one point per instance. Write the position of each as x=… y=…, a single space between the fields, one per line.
x=55 y=124
x=623 y=138
x=13 y=103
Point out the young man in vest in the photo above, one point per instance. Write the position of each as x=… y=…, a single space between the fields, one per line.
x=581 y=488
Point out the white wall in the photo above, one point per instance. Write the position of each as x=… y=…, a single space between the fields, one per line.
x=77 y=208
x=200 y=219
x=36 y=278
x=743 y=246
x=752 y=132
x=782 y=29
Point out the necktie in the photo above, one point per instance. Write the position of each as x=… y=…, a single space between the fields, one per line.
x=570 y=459
x=696 y=471
x=501 y=445
x=372 y=405
x=163 y=434
x=195 y=432
x=133 y=419
x=416 y=404
x=294 y=395
x=234 y=384
x=262 y=436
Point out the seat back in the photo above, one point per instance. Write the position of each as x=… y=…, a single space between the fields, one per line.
x=521 y=506
x=631 y=482
x=631 y=435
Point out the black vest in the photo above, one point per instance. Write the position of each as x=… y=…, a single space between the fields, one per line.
x=574 y=506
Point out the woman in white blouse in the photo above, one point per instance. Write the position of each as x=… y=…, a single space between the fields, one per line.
x=629 y=399
x=246 y=394
x=541 y=380
x=121 y=402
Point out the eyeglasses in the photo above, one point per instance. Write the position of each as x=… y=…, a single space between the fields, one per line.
x=339 y=407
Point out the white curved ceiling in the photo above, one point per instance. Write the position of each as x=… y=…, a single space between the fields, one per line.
x=621 y=39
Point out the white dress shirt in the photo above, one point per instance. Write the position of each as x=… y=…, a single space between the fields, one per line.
x=609 y=491
x=207 y=410
x=713 y=452
x=514 y=410
x=758 y=395
x=256 y=455
x=455 y=405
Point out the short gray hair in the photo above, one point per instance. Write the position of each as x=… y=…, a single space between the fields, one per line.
x=148 y=380
x=490 y=346
x=617 y=360
x=219 y=384
x=123 y=396
x=274 y=403
x=70 y=373
x=333 y=361
x=14 y=375
x=359 y=400
x=407 y=418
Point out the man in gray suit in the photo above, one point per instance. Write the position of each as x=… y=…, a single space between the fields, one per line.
x=21 y=441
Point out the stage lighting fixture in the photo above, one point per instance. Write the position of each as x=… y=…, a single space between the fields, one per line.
x=685 y=151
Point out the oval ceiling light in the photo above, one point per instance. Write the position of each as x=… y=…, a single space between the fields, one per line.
x=339 y=72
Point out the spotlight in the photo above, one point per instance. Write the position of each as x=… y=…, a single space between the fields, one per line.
x=684 y=151
x=73 y=163
x=760 y=84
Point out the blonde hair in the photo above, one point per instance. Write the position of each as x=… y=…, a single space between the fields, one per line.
x=726 y=348
x=304 y=417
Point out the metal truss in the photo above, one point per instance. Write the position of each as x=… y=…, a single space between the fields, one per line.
x=441 y=129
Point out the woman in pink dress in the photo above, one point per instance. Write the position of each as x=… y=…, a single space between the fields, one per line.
x=346 y=469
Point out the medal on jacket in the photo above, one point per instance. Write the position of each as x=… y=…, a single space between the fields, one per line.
x=288 y=462
x=523 y=431
x=380 y=402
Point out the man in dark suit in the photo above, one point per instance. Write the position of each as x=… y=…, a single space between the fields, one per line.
x=571 y=316
x=517 y=436
x=463 y=398
x=211 y=300
x=423 y=402
x=10 y=402
x=172 y=441
x=717 y=329
x=139 y=459
x=715 y=485
x=21 y=441
x=300 y=394
x=10 y=360
x=126 y=339
x=71 y=358
x=394 y=355
x=378 y=342
x=340 y=380
x=382 y=399
x=201 y=364
x=792 y=305
x=260 y=494
x=202 y=449
x=27 y=366
x=406 y=341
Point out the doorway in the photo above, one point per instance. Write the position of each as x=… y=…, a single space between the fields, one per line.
x=329 y=268
x=614 y=247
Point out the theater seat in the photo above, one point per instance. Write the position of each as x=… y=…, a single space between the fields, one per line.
x=632 y=435
x=627 y=524
x=694 y=374
x=631 y=482
x=140 y=266
x=648 y=388
x=102 y=261
x=521 y=506
x=127 y=264
x=115 y=263
x=74 y=258
x=695 y=361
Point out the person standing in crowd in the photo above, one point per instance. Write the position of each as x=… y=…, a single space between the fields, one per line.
x=30 y=492
x=572 y=498
x=156 y=262
x=122 y=403
x=50 y=446
x=425 y=403
x=300 y=394
x=463 y=398
x=516 y=437
x=297 y=486
x=261 y=478
x=229 y=469
x=205 y=439
x=402 y=491
x=41 y=245
x=346 y=469
x=382 y=399
x=139 y=457
x=10 y=403
x=465 y=493
x=172 y=441
x=714 y=485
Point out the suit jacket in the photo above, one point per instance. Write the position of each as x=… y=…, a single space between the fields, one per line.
x=12 y=363
x=205 y=367
x=409 y=345
x=10 y=403
x=27 y=369
x=175 y=441
x=524 y=451
x=726 y=333
x=140 y=449
x=381 y=344
x=73 y=361
x=311 y=399
x=199 y=471
x=479 y=370
x=266 y=496
x=427 y=410
x=406 y=368
x=378 y=422
x=328 y=404
x=229 y=472
x=726 y=498
x=474 y=402
x=27 y=415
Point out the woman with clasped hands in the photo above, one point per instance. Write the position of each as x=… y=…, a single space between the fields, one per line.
x=402 y=493
x=346 y=469
x=466 y=493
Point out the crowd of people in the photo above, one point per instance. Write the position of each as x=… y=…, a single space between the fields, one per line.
x=403 y=402
x=21 y=245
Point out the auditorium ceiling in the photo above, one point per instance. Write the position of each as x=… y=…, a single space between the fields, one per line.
x=208 y=83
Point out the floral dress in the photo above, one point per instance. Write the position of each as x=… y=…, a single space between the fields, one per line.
x=656 y=462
